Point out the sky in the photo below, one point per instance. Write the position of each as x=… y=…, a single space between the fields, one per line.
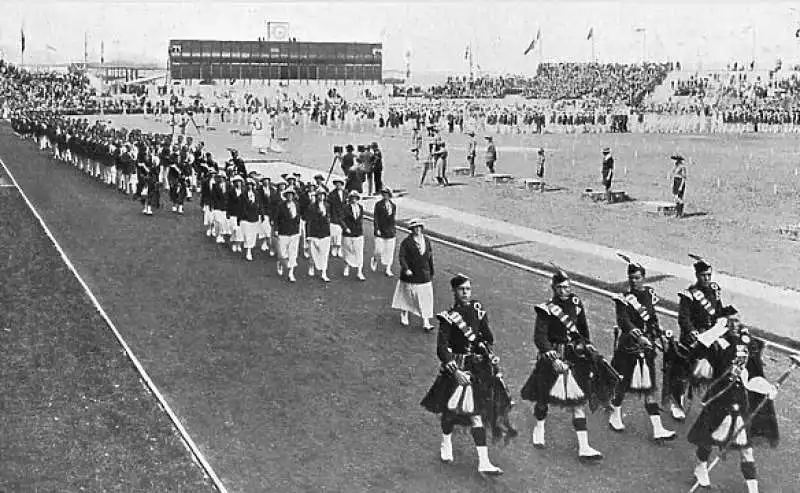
x=436 y=33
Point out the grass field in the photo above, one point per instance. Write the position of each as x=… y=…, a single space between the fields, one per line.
x=74 y=415
x=734 y=225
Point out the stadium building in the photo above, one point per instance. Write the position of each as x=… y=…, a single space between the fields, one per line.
x=229 y=62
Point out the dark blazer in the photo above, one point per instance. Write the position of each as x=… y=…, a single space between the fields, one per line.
x=421 y=266
x=250 y=210
x=384 y=221
x=219 y=198
x=266 y=202
x=336 y=206
x=352 y=226
x=235 y=203
x=286 y=225
x=318 y=225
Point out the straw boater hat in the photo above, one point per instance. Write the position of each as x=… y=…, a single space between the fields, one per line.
x=355 y=194
x=251 y=181
x=386 y=190
x=338 y=180
x=415 y=223
x=606 y=150
x=237 y=178
x=289 y=191
x=319 y=177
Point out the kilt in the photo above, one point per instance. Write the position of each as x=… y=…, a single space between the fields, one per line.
x=208 y=216
x=414 y=298
x=435 y=400
x=264 y=228
x=287 y=249
x=221 y=224
x=320 y=251
x=541 y=381
x=336 y=235
x=384 y=250
x=710 y=428
x=249 y=233
x=628 y=363
x=353 y=250
x=236 y=230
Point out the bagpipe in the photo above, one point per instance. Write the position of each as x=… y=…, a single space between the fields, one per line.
x=604 y=378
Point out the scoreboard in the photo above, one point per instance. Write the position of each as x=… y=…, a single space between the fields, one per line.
x=204 y=60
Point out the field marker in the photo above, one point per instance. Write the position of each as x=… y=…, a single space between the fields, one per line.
x=187 y=440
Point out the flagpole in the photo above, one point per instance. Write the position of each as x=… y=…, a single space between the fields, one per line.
x=85 y=49
x=594 y=60
x=102 y=74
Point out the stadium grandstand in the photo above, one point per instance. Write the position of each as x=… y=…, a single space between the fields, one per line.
x=206 y=61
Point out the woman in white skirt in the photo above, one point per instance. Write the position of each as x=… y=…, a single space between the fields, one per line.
x=287 y=225
x=205 y=200
x=219 y=207
x=337 y=201
x=235 y=199
x=353 y=235
x=265 y=202
x=318 y=234
x=414 y=291
x=249 y=219
x=385 y=232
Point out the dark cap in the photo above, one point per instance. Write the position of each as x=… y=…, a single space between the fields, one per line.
x=700 y=265
x=633 y=267
x=458 y=281
x=559 y=276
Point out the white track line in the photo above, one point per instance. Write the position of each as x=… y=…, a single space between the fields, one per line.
x=198 y=455
x=585 y=286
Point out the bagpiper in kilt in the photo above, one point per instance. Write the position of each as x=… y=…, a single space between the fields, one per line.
x=734 y=414
x=634 y=349
x=567 y=366
x=463 y=390
x=688 y=364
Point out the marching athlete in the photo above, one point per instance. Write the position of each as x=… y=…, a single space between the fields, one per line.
x=249 y=218
x=287 y=225
x=318 y=233
x=414 y=290
x=337 y=201
x=734 y=412
x=385 y=232
x=635 y=352
x=462 y=391
x=353 y=236
x=687 y=361
x=564 y=368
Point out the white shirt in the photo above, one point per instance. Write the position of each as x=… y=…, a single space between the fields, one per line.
x=420 y=241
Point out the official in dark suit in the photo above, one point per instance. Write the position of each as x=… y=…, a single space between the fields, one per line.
x=385 y=232
x=414 y=290
x=353 y=235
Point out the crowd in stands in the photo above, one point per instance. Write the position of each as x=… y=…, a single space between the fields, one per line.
x=589 y=98
x=610 y=83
